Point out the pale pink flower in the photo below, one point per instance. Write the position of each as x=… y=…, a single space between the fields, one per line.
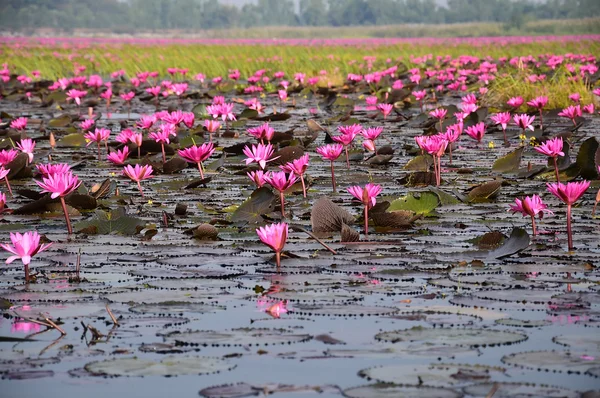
x=24 y=247
x=27 y=146
x=138 y=174
x=274 y=236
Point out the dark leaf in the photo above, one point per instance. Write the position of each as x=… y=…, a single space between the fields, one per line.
x=326 y=216
x=259 y=203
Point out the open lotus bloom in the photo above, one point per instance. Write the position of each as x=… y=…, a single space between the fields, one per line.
x=23 y=247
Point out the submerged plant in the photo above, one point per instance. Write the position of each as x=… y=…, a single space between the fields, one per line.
x=23 y=247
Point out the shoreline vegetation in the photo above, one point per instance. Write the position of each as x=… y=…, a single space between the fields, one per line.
x=543 y=27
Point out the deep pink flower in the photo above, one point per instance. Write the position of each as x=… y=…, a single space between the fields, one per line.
x=24 y=247
x=260 y=154
x=262 y=132
x=298 y=167
x=569 y=193
x=524 y=121
x=420 y=95
x=589 y=108
x=439 y=113
x=87 y=124
x=368 y=197
x=224 y=111
x=385 y=109
x=49 y=169
x=258 y=177
x=371 y=133
x=281 y=181
x=76 y=95
x=27 y=145
x=571 y=112
x=19 y=123
x=539 y=102
x=274 y=236
x=530 y=206
x=99 y=135
x=119 y=157
x=502 y=119
x=551 y=148
x=60 y=185
x=476 y=132
x=212 y=126
x=127 y=97
x=175 y=118
x=331 y=152
x=146 y=122
x=575 y=97
x=198 y=154
x=138 y=174
x=7 y=156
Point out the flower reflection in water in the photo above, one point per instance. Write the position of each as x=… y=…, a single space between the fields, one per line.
x=22 y=326
x=275 y=308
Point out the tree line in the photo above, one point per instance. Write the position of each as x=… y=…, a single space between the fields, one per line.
x=129 y=15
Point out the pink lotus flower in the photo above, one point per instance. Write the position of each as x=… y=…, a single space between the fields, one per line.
x=569 y=194
x=274 y=236
x=575 y=97
x=163 y=136
x=19 y=123
x=138 y=174
x=7 y=156
x=367 y=196
x=281 y=182
x=571 y=112
x=348 y=134
x=385 y=109
x=4 y=175
x=283 y=95
x=76 y=95
x=476 y=132
x=87 y=124
x=420 y=96
x=119 y=157
x=469 y=99
x=27 y=145
x=260 y=154
x=175 y=118
x=262 y=132
x=539 y=103
x=524 y=121
x=198 y=154
x=502 y=119
x=551 y=148
x=258 y=177
x=530 y=206
x=224 y=111
x=24 y=247
x=298 y=167
x=146 y=122
x=98 y=136
x=47 y=170
x=439 y=114
x=60 y=185
x=370 y=135
x=212 y=126
x=436 y=146
x=589 y=108
x=331 y=152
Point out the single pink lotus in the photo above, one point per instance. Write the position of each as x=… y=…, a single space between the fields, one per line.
x=138 y=174
x=367 y=196
x=515 y=102
x=502 y=119
x=385 y=109
x=24 y=247
x=262 y=132
x=49 y=169
x=4 y=175
x=260 y=154
x=552 y=148
x=298 y=167
x=257 y=177
x=274 y=236
x=476 y=132
x=27 y=146
x=331 y=152
x=119 y=157
x=58 y=186
x=198 y=154
x=572 y=112
x=98 y=136
x=281 y=181
x=19 y=124
x=569 y=193
x=530 y=206
x=539 y=103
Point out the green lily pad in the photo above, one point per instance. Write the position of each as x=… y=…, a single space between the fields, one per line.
x=113 y=222
x=509 y=163
x=419 y=203
x=168 y=366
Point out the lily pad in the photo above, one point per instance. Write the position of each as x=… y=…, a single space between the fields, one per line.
x=419 y=203
x=553 y=361
x=168 y=366
x=260 y=202
x=458 y=337
x=383 y=390
x=237 y=337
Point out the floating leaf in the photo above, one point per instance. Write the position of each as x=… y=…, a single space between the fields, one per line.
x=458 y=337
x=586 y=159
x=174 y=165
x=508 y=390
x=326 y=216
x=509 y=162
x=349 y=234
x=518 y=241
x=383 y=390
x=260 y=202
x=419 y=203
x=113 y=222
x=553 y=361
x=419 y=163
x=74 y=140
x=61 y=121
x=237 y=337
x=168 y=366
x=485 y=192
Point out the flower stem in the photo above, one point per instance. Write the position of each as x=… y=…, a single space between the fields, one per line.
x=504 y=132
x=366 y=220
x=27 y=273
x=347 y=159
x=200 y=170
x=140 y=188
x=281 y=199
x=99 y=157
x=569 y=231
x=278 y=259
x=8 y=186
x=541 y=120
x=556 y=169
x=164 y=157
x=64 y=207
x=303 y=186
x=332 y=177
x=139 y=151
x=533 y=225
